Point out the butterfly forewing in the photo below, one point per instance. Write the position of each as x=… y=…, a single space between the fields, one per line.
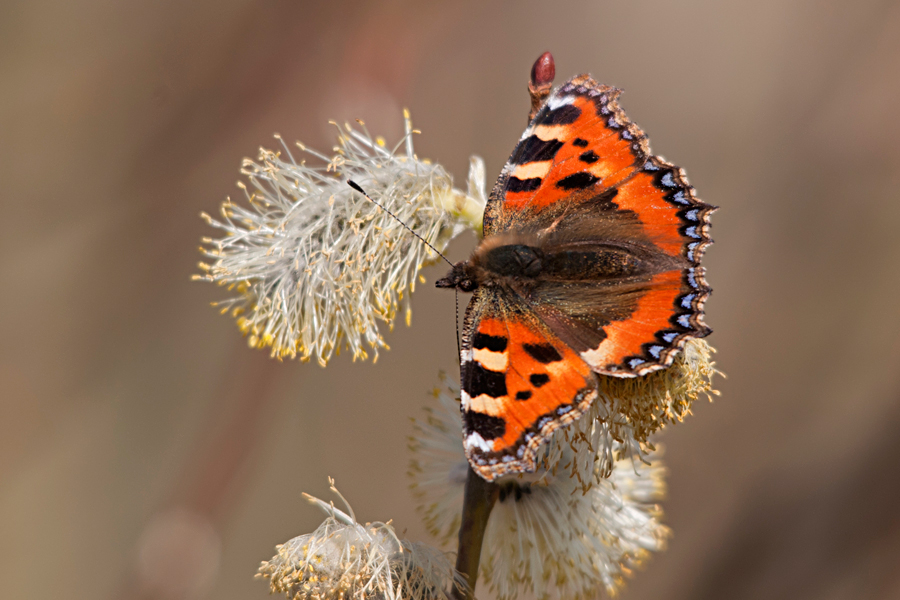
x=520 y=382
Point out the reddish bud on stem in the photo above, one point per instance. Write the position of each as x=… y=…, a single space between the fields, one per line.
x=542 y=74
x=543 y=71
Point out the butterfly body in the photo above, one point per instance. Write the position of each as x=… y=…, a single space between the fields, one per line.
x=589 y=267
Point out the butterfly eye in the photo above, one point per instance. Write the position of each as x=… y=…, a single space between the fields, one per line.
x=467 y=285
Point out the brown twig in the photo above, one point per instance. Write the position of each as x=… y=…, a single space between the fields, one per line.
x=478 y=500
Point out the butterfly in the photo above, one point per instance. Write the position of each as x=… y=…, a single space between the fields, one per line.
x=589 y=266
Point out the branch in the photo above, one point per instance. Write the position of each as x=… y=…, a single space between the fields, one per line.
x=478 y=501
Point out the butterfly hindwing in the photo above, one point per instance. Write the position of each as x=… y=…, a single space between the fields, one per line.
x=638 y=335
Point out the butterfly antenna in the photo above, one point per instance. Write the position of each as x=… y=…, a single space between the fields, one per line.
x=356 y=187
x=458 y=347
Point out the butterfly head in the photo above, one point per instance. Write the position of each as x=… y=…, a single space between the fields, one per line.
x=461 y=277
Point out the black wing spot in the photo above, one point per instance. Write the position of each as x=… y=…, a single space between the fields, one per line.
x=589 y=157
x=480 y=381
x=534 y=149
x=581 y=143
x=491 y=342
x=578 y=181
x=539 y=379
x=514 y=184
x=523 y=395
x=543 y=353
x=564 y=115
x=486 y=426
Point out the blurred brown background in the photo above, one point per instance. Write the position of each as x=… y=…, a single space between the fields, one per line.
x=134 y=419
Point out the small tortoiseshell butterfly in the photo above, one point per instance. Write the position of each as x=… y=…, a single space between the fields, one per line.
x=589 y=266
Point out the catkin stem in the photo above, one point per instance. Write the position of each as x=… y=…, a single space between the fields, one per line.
x=479 y=499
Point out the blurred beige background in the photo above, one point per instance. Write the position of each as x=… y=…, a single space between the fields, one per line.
x=131 y=412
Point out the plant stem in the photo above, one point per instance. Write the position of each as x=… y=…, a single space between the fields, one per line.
x=478 y=500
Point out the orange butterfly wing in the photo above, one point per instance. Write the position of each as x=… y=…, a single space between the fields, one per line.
x=519 y=384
